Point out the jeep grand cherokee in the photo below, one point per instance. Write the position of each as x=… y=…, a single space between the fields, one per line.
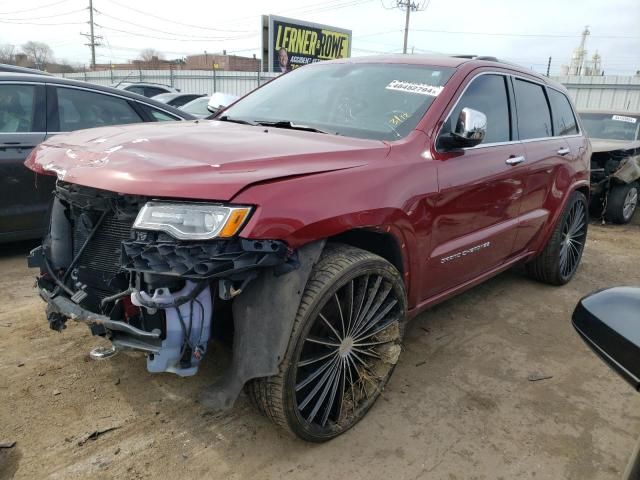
x=316 y=216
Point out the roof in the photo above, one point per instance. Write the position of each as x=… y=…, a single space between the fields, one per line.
x=50 y=79
x=450 y=61
x=16 y=69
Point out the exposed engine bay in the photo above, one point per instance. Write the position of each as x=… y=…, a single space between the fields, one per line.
x=143 y=290
x=623 y=165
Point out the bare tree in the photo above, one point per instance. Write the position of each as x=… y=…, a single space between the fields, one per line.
x=40 y=53
x=151 y=57
x=7 y=53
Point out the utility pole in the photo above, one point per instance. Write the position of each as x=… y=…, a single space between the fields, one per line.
x=91 y=36
x=409 y=7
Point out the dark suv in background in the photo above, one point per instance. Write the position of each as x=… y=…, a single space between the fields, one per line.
x=316 y=224
x=35 y=106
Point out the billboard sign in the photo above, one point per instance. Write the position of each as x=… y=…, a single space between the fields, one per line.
x=289 y=43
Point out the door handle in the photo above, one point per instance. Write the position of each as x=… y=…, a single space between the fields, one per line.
x=16 y=145
x=564 y=151
x=515 y=160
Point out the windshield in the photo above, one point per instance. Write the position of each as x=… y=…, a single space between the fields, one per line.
x=197 y=107
x=610 y=126
x=374 y=101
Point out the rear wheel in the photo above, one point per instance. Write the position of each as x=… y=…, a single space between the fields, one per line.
x=343 y=349
x=622 y=202
x=558 y=262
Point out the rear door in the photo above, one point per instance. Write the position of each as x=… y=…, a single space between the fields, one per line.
x=476 y=216
x=23 y=207
x=546 y=149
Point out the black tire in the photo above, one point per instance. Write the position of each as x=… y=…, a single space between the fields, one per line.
x=357 y=282
x=558 y=262
x=622 y=202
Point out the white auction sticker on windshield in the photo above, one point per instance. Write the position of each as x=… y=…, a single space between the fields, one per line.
x=410 y=87
x=622 y=118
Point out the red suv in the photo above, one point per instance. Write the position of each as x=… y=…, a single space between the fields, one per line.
x=313 y=218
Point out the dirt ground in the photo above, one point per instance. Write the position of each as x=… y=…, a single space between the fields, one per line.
x=459 y=406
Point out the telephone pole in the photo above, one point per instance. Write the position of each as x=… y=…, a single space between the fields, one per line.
x=409 y=7
x=91 y=36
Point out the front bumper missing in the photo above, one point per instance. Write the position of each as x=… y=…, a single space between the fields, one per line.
x=65 y=307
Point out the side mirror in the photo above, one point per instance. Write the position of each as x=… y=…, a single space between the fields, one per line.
x=470 y=130
x=609 y=322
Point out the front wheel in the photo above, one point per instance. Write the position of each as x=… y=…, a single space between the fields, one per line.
x=344 y=346
x=622 y=203
x=558 y=262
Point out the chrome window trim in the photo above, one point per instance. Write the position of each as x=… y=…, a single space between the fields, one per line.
x=510 y=142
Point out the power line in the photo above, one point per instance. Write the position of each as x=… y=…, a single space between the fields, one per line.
x=144 y=35
x=35 y=8
x=45 y=16
x=42 y=24
x=173 y=21
x=197 y=37
x=504 y=34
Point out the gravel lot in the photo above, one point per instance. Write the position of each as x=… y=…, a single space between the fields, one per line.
x=460 y=404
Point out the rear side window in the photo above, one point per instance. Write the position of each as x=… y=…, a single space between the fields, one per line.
x=79 y=109
x=136 y=89
x=487 y=94
x=564 y=121
x=534 y=118
x=153 y=91
x=16 y=108
x=159 y=116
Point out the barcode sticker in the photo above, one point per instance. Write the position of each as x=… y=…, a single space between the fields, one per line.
x=410 y=87
x=622 y=118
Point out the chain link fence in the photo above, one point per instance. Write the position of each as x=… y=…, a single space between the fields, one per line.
x=190 y=81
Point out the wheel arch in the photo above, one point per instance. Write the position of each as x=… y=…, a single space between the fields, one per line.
x=384 y=244
x=582 y=187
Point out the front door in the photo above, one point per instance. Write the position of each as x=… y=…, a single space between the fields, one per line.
x=23 y=204
x=480 y=189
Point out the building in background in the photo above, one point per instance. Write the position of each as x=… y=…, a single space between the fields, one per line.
x=233 y=63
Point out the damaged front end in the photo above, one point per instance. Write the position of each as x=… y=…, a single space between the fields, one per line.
x=148 y=275
x=621 y=166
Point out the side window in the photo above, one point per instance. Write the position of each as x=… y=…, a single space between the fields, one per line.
x=534 y=118
x=564 y=120
x=160 y=116
x=17 y=108
x=487 y=94
x=79 y=109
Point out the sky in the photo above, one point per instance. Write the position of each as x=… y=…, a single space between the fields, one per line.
x=526 y=32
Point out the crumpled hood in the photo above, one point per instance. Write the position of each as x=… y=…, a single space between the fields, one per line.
x=608 y=145
x=208 y=160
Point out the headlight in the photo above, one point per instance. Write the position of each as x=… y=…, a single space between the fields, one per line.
x=192 y=221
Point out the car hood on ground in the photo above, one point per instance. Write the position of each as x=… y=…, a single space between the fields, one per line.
x=208 y=160
x=608 y=145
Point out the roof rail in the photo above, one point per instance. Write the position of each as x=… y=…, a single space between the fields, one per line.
x=477 y=57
